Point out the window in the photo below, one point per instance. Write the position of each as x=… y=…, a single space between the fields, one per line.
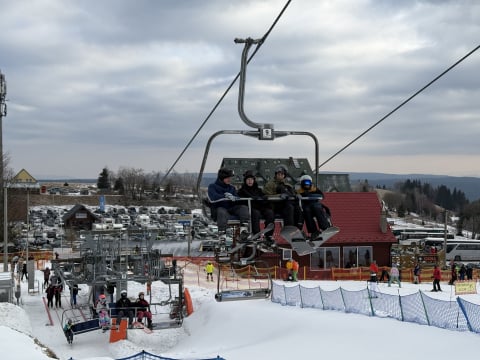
x=326 y=258
x=287 y=254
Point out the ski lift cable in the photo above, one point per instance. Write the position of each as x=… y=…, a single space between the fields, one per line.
x=226 y=92
x=399 y=106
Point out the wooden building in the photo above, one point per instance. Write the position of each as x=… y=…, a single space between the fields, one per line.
x=79 y=218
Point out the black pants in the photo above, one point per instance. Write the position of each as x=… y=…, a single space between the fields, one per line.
x=122 y=313
x=290 y=212
x=314 y=210
x=436 y=285
x=69 y=335
x=257 y=214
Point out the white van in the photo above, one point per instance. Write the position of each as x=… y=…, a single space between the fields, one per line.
x=179 y=231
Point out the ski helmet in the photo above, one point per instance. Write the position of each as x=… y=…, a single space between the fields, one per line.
x=102 y=297
x=306 y=181
x=141 y=293
x=123 y=293
x=281 y=169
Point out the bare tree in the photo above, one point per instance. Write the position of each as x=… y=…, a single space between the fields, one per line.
x=133 y=181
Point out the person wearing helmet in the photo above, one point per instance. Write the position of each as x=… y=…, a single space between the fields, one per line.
x=260 y=208
x=313 y=208
x=143 y=309
x=222 y=196
x=286 y=206
x=103 y=312
x=68 y=331
x=124 y=307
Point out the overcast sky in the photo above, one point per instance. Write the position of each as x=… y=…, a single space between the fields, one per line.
x=120 y=83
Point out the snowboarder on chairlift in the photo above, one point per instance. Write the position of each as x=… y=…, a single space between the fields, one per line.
x=313 y=209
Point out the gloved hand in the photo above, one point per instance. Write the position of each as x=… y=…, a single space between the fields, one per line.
x=230 y=196
x=284 y=196
x=299 y=196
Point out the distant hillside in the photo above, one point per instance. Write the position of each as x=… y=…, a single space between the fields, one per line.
x=469 y=185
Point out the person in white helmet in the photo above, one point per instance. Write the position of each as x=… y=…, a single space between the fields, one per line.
x=124 y=306
x=313 y=207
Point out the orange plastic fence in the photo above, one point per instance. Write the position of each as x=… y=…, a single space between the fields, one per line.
x=120 y=332
x=188 y=301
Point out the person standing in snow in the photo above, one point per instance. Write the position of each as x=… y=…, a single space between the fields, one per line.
x=24 y=271
x=50 y=294
x=209 y=270
x=373 y=276
x=416 y=273
x=394 y=276
x=57 y=291
x=46 y=276
x=295 y=268
x=437 y=276
x=73 y=295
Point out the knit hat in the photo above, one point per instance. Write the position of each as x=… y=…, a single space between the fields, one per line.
x=248 y=174
x=224 y=173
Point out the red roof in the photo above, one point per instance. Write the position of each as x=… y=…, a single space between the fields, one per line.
x=358 y=215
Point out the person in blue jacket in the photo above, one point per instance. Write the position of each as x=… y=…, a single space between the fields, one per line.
x=223 y=196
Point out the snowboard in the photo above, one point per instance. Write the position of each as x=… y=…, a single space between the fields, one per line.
x=256 y=236
x=325 y=235
x=303 y=246
x=251 y=238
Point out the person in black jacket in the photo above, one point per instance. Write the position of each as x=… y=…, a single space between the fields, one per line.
x=223 y=196
x=124 y=308
x=260 y=207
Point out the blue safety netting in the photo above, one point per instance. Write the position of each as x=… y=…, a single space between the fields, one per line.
x=147 y=356
x=419 y=308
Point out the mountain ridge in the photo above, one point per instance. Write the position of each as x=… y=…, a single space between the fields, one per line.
x=469 y=185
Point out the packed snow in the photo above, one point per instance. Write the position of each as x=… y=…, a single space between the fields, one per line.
x=239 y=330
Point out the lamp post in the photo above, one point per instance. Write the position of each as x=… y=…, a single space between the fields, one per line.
x=3 y=112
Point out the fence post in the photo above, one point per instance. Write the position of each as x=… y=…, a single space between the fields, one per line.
x=424 y=307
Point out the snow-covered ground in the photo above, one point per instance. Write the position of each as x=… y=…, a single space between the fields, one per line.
x=240 y=330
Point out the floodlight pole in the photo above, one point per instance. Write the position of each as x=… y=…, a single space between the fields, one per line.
x=3 y=214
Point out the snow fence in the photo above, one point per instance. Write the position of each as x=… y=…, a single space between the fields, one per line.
x=419 y=308
x=147 y=356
